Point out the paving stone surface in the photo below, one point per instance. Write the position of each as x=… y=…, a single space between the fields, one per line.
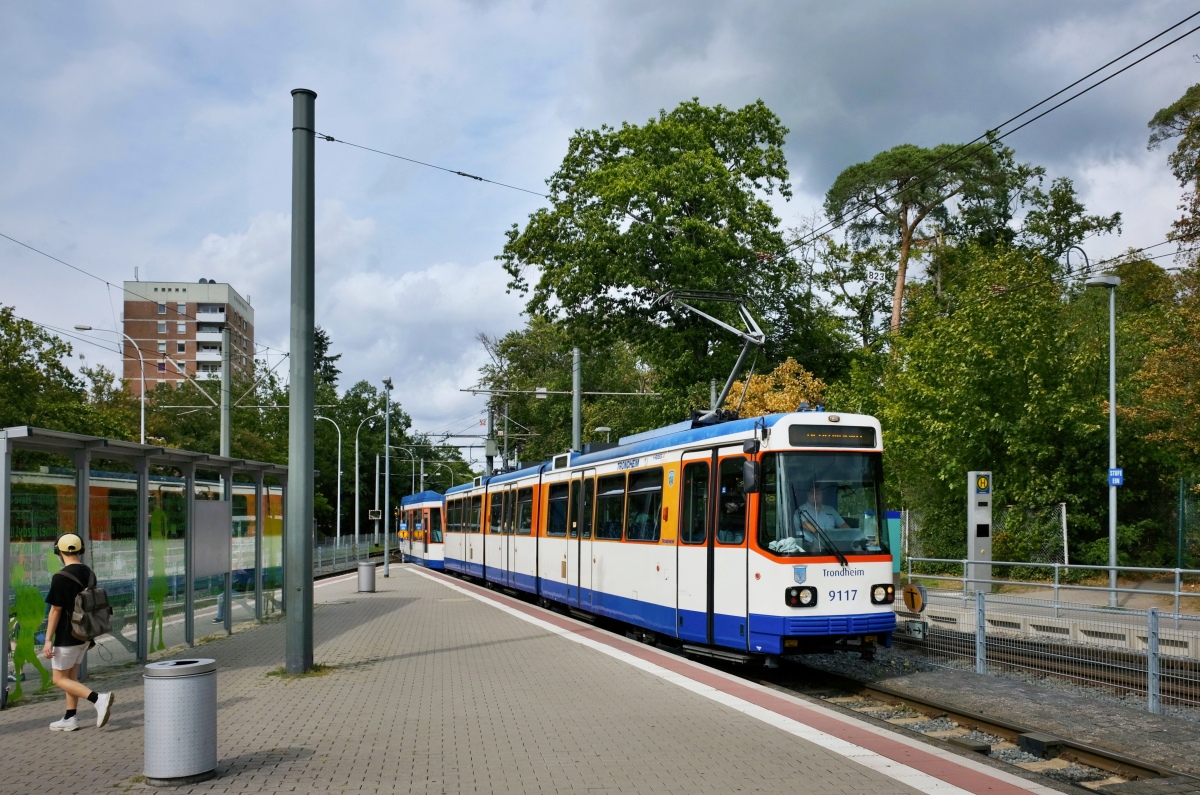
x=430 y=691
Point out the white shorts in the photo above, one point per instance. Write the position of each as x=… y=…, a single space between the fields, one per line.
x=67 y=657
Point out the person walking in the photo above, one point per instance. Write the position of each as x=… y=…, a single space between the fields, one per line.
x=63 y=649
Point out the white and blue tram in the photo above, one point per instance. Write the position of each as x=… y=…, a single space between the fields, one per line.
x=746 y=538
x=421 y=528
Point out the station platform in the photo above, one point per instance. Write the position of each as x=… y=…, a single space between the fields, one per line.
x=440 y=686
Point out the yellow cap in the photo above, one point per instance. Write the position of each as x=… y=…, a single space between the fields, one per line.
x=69 y=543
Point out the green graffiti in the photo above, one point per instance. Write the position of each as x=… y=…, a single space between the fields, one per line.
x=158 y=577
x=29 y=609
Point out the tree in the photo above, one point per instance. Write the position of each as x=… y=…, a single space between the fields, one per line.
x=899 y=197
x=324 y=365
x=540 y=355
x=676 y=203
x=781 y=390
x=1181 y=120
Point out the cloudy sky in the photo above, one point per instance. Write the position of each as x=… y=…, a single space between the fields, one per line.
x=157 y=136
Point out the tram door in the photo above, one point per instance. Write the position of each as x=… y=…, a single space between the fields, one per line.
x=712 y=549
x=579 y=539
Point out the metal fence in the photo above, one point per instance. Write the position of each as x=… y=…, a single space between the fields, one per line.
x=1142 y=655
x=330 y=558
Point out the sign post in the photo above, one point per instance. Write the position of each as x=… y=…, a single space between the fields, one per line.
x=979 y=531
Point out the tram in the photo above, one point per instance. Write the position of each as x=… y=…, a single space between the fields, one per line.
x=421 y=527
x=744 y=538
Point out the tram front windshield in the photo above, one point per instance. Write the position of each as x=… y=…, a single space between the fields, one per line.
x=819 y=504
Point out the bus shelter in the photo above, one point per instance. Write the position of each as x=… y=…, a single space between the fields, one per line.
x=185 y=543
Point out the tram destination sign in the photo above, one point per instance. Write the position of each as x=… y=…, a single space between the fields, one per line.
x=836 y=436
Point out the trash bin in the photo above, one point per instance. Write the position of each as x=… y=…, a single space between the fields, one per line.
x=366 y=577
x=181 y=721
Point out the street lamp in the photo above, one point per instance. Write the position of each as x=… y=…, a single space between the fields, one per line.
x=1110 y=282
x=412 y=489
x=387 y=474
x=338 y=533
x=81 y=327
x=448 y=469
x=356 y=480
x=604 y=429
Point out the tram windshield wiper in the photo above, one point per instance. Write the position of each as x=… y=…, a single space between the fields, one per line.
x=842 y=559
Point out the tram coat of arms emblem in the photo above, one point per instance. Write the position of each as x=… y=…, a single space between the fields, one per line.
x=800 y=573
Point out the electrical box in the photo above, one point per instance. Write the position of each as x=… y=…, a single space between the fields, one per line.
x=979 y=530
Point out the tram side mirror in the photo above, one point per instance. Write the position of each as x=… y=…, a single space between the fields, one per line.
x=751 y=477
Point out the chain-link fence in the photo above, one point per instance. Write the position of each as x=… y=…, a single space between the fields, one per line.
x=1143 y=656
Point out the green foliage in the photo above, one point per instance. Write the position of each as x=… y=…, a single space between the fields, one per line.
x=1181 y=120
x=676 y=203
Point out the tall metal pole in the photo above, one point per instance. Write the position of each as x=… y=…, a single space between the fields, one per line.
x=712 y=394
x=504 y=464
x=1112 y=444
x=377 y=496
x=387 y=474
x=337 y=538
x=490 y=444
x=226 y=390
x=298 y=544
x=576 y=401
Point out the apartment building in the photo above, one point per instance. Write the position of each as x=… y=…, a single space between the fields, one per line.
x=178 y=326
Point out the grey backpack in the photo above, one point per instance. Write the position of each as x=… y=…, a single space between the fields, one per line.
x=92 y=615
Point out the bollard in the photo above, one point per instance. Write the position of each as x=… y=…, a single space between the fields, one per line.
x=181 y=722
x=366 y=577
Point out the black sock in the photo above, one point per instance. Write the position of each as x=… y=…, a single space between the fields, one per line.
x=92 y=696
x=70 y=714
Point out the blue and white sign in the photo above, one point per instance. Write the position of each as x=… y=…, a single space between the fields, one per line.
x=800 y=573
x=1116 y=476
x=404 y=525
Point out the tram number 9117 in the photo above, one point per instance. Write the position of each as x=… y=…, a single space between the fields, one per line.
x=848 y=595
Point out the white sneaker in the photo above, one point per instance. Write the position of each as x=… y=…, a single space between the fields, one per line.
x=65 y=724
x=104 y=704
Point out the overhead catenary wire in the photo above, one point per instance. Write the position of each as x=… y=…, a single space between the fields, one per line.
x=105 y=281
x=945 y=161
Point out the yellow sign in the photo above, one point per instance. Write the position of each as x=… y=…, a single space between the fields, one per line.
x=982 y=483
x=914 y=596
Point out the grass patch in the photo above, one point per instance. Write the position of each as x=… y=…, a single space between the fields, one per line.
x=318 y=669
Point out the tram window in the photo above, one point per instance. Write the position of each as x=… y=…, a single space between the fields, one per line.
x=731 y=519
x=453 y=514
x=524 y=523
x=476 y=514
x=574 y=524
x=510 y=505
x=693 y=527
x=643 y=512
x=556 y=515
x=585 y=508
x=435 y=525
x=610 y=506
x=496 y=504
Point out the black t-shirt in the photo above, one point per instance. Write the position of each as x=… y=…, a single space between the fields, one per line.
x=63 y=591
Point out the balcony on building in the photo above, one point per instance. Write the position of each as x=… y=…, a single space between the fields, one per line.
x=208 y=353
x=210 y=313
x=208 y=334
x=208 y=372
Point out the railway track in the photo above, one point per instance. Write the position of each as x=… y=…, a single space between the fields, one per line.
x=1059 y=758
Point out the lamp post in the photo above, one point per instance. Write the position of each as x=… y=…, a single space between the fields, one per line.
x=412 y=489
x=338 y=532
x=1110 y=282
x=141 y=361
x=604 y=429
x=387 y=473
x=356 y=480
x=448 y=469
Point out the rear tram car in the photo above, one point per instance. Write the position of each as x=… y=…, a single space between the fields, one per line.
x=421 y=526
x=742 y=539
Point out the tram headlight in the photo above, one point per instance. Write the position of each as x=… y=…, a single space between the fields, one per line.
x=883 y=594
x=800 y=597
